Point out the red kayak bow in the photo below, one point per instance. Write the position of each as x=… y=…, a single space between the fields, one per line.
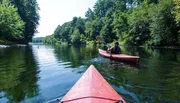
x=92 y=88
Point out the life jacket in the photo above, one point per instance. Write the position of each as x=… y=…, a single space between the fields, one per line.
x=118 y=49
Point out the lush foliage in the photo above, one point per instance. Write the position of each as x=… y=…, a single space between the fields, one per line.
x=176 y=12
x=11 y=25
x=28 y=10
x=19 y=20
x=38 y=40
x=49 y=40
x=133 y=22
x=163 y=28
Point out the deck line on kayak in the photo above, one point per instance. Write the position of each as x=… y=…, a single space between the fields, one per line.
x=118 y=101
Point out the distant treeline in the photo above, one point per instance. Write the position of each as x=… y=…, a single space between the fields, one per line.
x=18 y=20
x=132 y=22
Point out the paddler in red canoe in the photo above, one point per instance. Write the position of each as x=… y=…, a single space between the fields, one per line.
x=115 y=50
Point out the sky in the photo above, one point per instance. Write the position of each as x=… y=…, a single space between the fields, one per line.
x=56 y=12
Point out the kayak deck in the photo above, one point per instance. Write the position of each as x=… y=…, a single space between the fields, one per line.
x=92 y=88
x=120 y=57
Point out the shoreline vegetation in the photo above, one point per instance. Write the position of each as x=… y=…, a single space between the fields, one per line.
x=150 y=23
x=6 y=42
x=18 y=21
x=154 y=23
x=90 y=43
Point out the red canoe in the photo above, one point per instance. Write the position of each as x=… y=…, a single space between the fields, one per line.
x=120 y=57
x=92 y=88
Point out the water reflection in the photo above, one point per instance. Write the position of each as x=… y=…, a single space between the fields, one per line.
x=18 y=74
x=155 y=80
x=75 y=54
x=44 y=73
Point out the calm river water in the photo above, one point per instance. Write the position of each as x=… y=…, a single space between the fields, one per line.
x=42 y=73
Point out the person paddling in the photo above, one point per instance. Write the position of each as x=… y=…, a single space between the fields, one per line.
x=115 y=50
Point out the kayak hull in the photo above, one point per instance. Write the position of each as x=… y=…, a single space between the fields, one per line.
x=120 y=57
x=92 y=88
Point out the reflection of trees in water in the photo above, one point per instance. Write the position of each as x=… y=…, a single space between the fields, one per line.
x=165 y=68
x=153 y=81
x=171 y=79
x=77 y=55
x=18 y=79
x=156 y=80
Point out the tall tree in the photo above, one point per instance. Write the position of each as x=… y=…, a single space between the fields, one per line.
x=29 y=13
x=107 y=29
x=75 y=37
x=163 y=28
x=57 y=32
x=120 y=24
x=90 y=15
x=138 y=22
x=101 y=7
x=134 y=22
x=11 y=25
x=91 y=29
x=176 y=12
x=65 y=32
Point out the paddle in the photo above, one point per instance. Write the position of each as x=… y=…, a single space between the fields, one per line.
x=102 y=40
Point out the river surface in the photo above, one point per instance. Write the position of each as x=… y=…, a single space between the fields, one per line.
x=41 y=73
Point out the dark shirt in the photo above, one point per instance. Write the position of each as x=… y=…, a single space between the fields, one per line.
x=116 y=50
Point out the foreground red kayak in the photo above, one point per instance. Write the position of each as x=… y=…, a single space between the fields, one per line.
x=92 y=88
x=120 y=57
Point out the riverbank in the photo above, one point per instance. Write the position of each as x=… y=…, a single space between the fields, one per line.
x=6 y=42
x=97 y=43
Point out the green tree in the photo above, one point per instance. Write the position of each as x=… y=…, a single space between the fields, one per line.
x=163 y=28
x=11 y=25
x=77 y=30
x=176 y=12
x=91 y=29
x=101 y=7
x=78 y=23
x=65 y=32
x=134 y=22
x=49 y=40
x=29 y=13
x=75 y=37
x=138 y=22
x=120 y=24
x=107 y=29
x=90 y=15
x=57 y=32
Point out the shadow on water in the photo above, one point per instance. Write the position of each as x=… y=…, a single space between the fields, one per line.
x=18 y=74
